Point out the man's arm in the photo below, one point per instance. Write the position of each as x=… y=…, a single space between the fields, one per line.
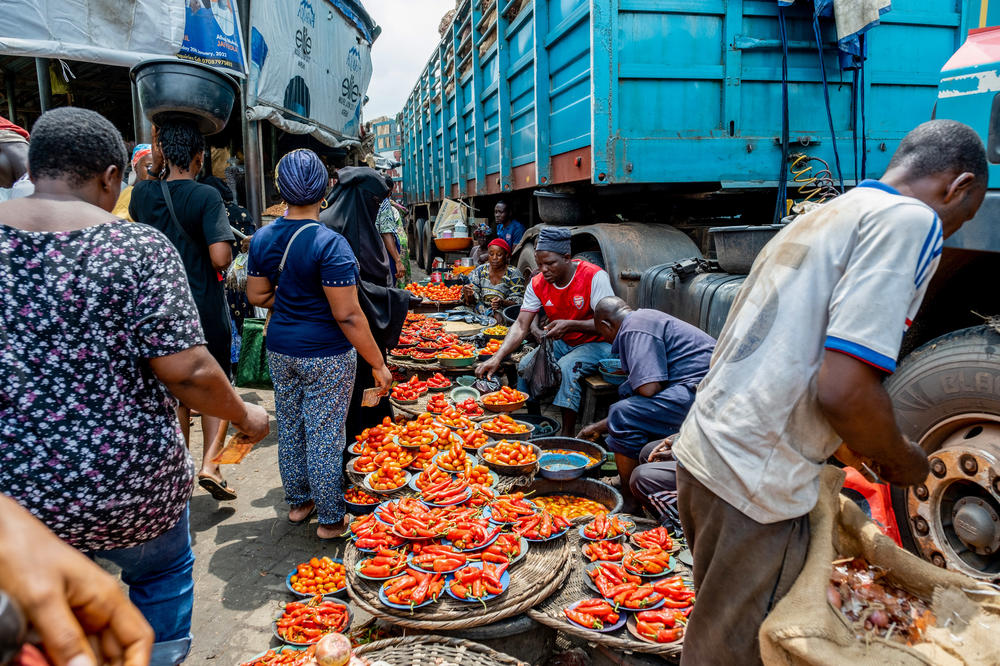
x=560 y=327
x=515 y=336
x=851 y=396
x=650 y=389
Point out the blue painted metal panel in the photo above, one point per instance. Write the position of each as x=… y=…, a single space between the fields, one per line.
x=662 y=91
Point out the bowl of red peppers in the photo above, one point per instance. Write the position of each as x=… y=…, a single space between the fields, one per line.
x=479 y=582
x=305 y=623
x=596 y=615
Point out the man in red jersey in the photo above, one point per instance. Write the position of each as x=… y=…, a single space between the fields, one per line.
x=566 y=290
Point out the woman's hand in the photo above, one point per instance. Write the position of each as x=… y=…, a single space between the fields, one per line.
x=383 y=379
x=468 y=294
x=67 y=598
x=496 y=303
x=255 y=424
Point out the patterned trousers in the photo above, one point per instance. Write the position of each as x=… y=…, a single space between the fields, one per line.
x=311 y=397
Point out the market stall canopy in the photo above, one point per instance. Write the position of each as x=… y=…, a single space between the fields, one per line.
x=310 y=66
x=122 y=34
x=100 y=32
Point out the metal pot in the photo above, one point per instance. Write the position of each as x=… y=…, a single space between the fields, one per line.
x=558 y=208
x=171 y=89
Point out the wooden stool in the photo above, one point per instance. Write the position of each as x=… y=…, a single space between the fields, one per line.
x=594 y=389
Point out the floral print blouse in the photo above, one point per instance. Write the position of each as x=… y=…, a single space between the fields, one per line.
x=89 y=442
x=511 y=287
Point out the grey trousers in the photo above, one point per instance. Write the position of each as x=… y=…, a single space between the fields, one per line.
x=742 y=568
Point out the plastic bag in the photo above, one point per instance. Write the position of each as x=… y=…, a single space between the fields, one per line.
x=542 y=373
x=252 y=370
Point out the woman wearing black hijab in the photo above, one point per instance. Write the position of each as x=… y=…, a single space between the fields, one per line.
x=351 y=211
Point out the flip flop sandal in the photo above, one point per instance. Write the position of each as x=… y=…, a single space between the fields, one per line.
x=339 y=536
x=219 y=491
x=312 y=512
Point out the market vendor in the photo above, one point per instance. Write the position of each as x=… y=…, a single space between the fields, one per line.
x=564 y=290
x=665 y=358
x=798 y=371
x=496 y=284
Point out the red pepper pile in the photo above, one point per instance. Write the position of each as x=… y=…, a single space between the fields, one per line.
x=285 y=658
x=413 y=588
x=658 y=537
x=676 y=593
x=542 y=525
x=661 y=625
x=609 y=551
x=622 y=588
x=438 y=381
x=504 y=549
x=593 y=614
x=476 y=583
x=307 y=623
x=446 y=492
x=386 y=563
x=469 y=534
x=509 y=508
x=648 y=561
x=603 y=527
x=437 y=558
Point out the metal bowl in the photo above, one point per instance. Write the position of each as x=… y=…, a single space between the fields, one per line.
x=518 y=436
x=508 y=470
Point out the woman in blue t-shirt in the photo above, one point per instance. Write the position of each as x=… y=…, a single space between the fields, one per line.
x=315 y=332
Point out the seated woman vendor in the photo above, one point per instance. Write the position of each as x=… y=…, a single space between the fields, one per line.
x=496 y=284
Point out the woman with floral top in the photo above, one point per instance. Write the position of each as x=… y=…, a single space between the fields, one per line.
x=101 y=341
x=496 y=284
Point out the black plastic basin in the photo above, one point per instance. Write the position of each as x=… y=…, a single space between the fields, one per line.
x=171 y=90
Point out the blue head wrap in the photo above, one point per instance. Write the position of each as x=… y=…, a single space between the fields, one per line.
x=301 y=178
x=554 y=239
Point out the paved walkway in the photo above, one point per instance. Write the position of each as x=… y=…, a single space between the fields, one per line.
x=244 y=550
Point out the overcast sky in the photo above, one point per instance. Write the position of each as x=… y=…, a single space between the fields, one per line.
x=409 y=35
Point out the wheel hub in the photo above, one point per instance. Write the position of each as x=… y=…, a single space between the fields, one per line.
x=955 y=514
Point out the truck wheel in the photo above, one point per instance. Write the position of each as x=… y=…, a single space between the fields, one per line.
x=593 y=256
x=418 y=246
x=946 y=396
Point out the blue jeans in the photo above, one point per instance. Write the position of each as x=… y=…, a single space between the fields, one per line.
x=160 y=584
x=575 y=364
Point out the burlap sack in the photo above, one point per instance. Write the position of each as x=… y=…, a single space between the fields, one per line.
x=805 y=629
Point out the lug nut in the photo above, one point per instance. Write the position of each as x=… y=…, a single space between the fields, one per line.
x=938 y=468
x=938 y=560
x=921 y=526
x=921 y=492
x=969 y=464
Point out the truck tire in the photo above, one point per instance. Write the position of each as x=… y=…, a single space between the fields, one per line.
x=418 y=247
x=946 y=396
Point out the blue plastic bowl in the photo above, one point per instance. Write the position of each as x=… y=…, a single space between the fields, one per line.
x=466 y=380
x=611 y=371
x=562 y=466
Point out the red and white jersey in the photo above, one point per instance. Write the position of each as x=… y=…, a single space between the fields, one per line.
x=574 y=301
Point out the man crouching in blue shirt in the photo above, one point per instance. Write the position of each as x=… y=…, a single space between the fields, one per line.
x=665 y=359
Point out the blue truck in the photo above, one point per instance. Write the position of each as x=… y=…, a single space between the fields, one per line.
x=675 y=136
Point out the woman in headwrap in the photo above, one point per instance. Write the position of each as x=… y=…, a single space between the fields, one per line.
x=142 y=159
x=316 y=332
x=496 y=284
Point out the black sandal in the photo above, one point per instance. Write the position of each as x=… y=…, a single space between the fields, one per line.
x=219 y=491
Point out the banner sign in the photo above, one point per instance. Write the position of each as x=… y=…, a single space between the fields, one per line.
x=309 y=61
x=212 y=35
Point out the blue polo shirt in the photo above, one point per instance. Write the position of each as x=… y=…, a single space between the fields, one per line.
x=302 y=324
x=511 y=232
x=656 y=347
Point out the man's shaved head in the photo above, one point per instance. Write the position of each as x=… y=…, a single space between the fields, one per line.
x=609 y=315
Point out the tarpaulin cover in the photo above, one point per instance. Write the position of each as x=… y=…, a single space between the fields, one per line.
x=310 y=62
x=111 y=33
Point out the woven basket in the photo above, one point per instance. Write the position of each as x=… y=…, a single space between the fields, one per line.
x=533 y=579
x=550 y=611
x=430 y=650
x=593 y=490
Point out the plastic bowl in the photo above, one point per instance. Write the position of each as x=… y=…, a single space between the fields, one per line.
x=573 y=444
x=170 y=89
x=562 y=466
x=508 y=470
x=457 y=362
x=611 y=371
x=467 y=381
x=507 y=407
x=463 y=393
x=453 y=244
x=359 y=509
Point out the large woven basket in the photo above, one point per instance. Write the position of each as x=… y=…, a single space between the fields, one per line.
x=430 y=650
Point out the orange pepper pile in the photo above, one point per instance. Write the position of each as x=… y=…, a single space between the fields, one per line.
x=570 y=506
x=387 y=477
x=319 y=576
x=457 y=351
x=358 y=496
x=504 y=425
x=492 y=347
x=505 y=396
x=479 y=475
x=454 y=459
x=472 y=438
x=510 y=453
